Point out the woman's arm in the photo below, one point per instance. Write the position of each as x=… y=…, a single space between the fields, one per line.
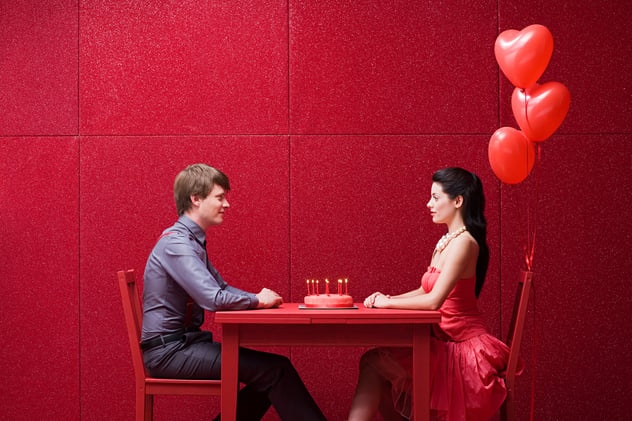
x=459 y=263
x=413 y=293
x=370 y=300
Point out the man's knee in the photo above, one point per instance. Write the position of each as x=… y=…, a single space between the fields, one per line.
x=265 y=369
x=281 y=363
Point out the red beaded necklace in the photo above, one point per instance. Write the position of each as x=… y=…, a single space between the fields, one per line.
x=445 y=240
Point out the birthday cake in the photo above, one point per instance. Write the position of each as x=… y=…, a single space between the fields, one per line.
x=314 y=299
x=328 y=301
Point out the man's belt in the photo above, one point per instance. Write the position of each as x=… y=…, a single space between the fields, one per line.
x=162 y=339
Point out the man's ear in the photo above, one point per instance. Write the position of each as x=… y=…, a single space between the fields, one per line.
x=195 y=200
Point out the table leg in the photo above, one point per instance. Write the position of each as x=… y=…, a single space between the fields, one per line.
x=421 y=372
x=230 y=363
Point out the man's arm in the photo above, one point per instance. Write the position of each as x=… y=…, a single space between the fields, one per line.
x=210 y=292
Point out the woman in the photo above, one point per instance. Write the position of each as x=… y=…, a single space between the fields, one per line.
x=466 y=361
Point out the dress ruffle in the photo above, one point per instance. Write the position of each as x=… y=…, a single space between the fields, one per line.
x=467 y=382
x=466 y=377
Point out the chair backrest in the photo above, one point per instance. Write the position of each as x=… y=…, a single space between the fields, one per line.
x=514 y=337
x=133 y=318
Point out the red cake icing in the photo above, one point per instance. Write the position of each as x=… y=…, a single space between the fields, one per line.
x=328 y=301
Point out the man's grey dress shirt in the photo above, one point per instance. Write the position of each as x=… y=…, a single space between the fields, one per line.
x=177 y=268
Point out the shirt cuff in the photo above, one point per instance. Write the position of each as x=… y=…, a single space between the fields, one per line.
x=254 y=301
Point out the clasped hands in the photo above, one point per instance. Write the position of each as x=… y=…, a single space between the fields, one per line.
x=268 y=299
x=376 y=300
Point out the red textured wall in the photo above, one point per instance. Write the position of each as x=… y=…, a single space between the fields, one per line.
x=329 y=117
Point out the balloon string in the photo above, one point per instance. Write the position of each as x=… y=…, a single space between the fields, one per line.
x=529 y=247
x=529 y=250
x=528 y=254
x=533 y=356
x=526 y=114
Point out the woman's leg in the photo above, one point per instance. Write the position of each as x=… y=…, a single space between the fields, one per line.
x=366 y=398
x=387 y=408
x=370 y=388
x=373 y=393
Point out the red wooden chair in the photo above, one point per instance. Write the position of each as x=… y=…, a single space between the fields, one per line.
x=146 y=386
x=514 y=338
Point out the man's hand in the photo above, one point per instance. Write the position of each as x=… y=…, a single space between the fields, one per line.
x=268 y=299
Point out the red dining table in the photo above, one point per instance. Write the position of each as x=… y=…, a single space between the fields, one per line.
x=291 y=325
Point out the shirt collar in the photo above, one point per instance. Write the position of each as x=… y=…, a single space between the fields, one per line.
x=194 y=228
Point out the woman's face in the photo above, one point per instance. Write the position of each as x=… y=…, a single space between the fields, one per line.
x=442 y=208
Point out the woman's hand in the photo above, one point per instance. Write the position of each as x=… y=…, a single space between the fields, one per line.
x=376 y=300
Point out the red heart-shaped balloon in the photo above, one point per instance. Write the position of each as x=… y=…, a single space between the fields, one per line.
x=540 y=109
x=511 y=155
x=524 y=55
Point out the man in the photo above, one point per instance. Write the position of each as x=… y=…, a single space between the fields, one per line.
x=179 y=275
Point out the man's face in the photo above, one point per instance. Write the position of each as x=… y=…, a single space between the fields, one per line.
x=211 y=208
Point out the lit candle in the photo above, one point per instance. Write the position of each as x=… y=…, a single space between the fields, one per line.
x=316 y=286
x=346 y=290
x=326 y=286
x=339 y=286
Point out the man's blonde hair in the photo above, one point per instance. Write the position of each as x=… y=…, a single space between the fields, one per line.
x=196 y=180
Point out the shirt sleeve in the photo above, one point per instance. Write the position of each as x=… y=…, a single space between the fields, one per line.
x=187 y=266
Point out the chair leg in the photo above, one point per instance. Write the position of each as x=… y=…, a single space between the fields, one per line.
x=144 y=405
x=149 y=407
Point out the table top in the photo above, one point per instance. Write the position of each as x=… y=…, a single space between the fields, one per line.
x=290 y=313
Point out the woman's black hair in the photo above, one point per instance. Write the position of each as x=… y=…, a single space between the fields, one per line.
x=455 y=182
